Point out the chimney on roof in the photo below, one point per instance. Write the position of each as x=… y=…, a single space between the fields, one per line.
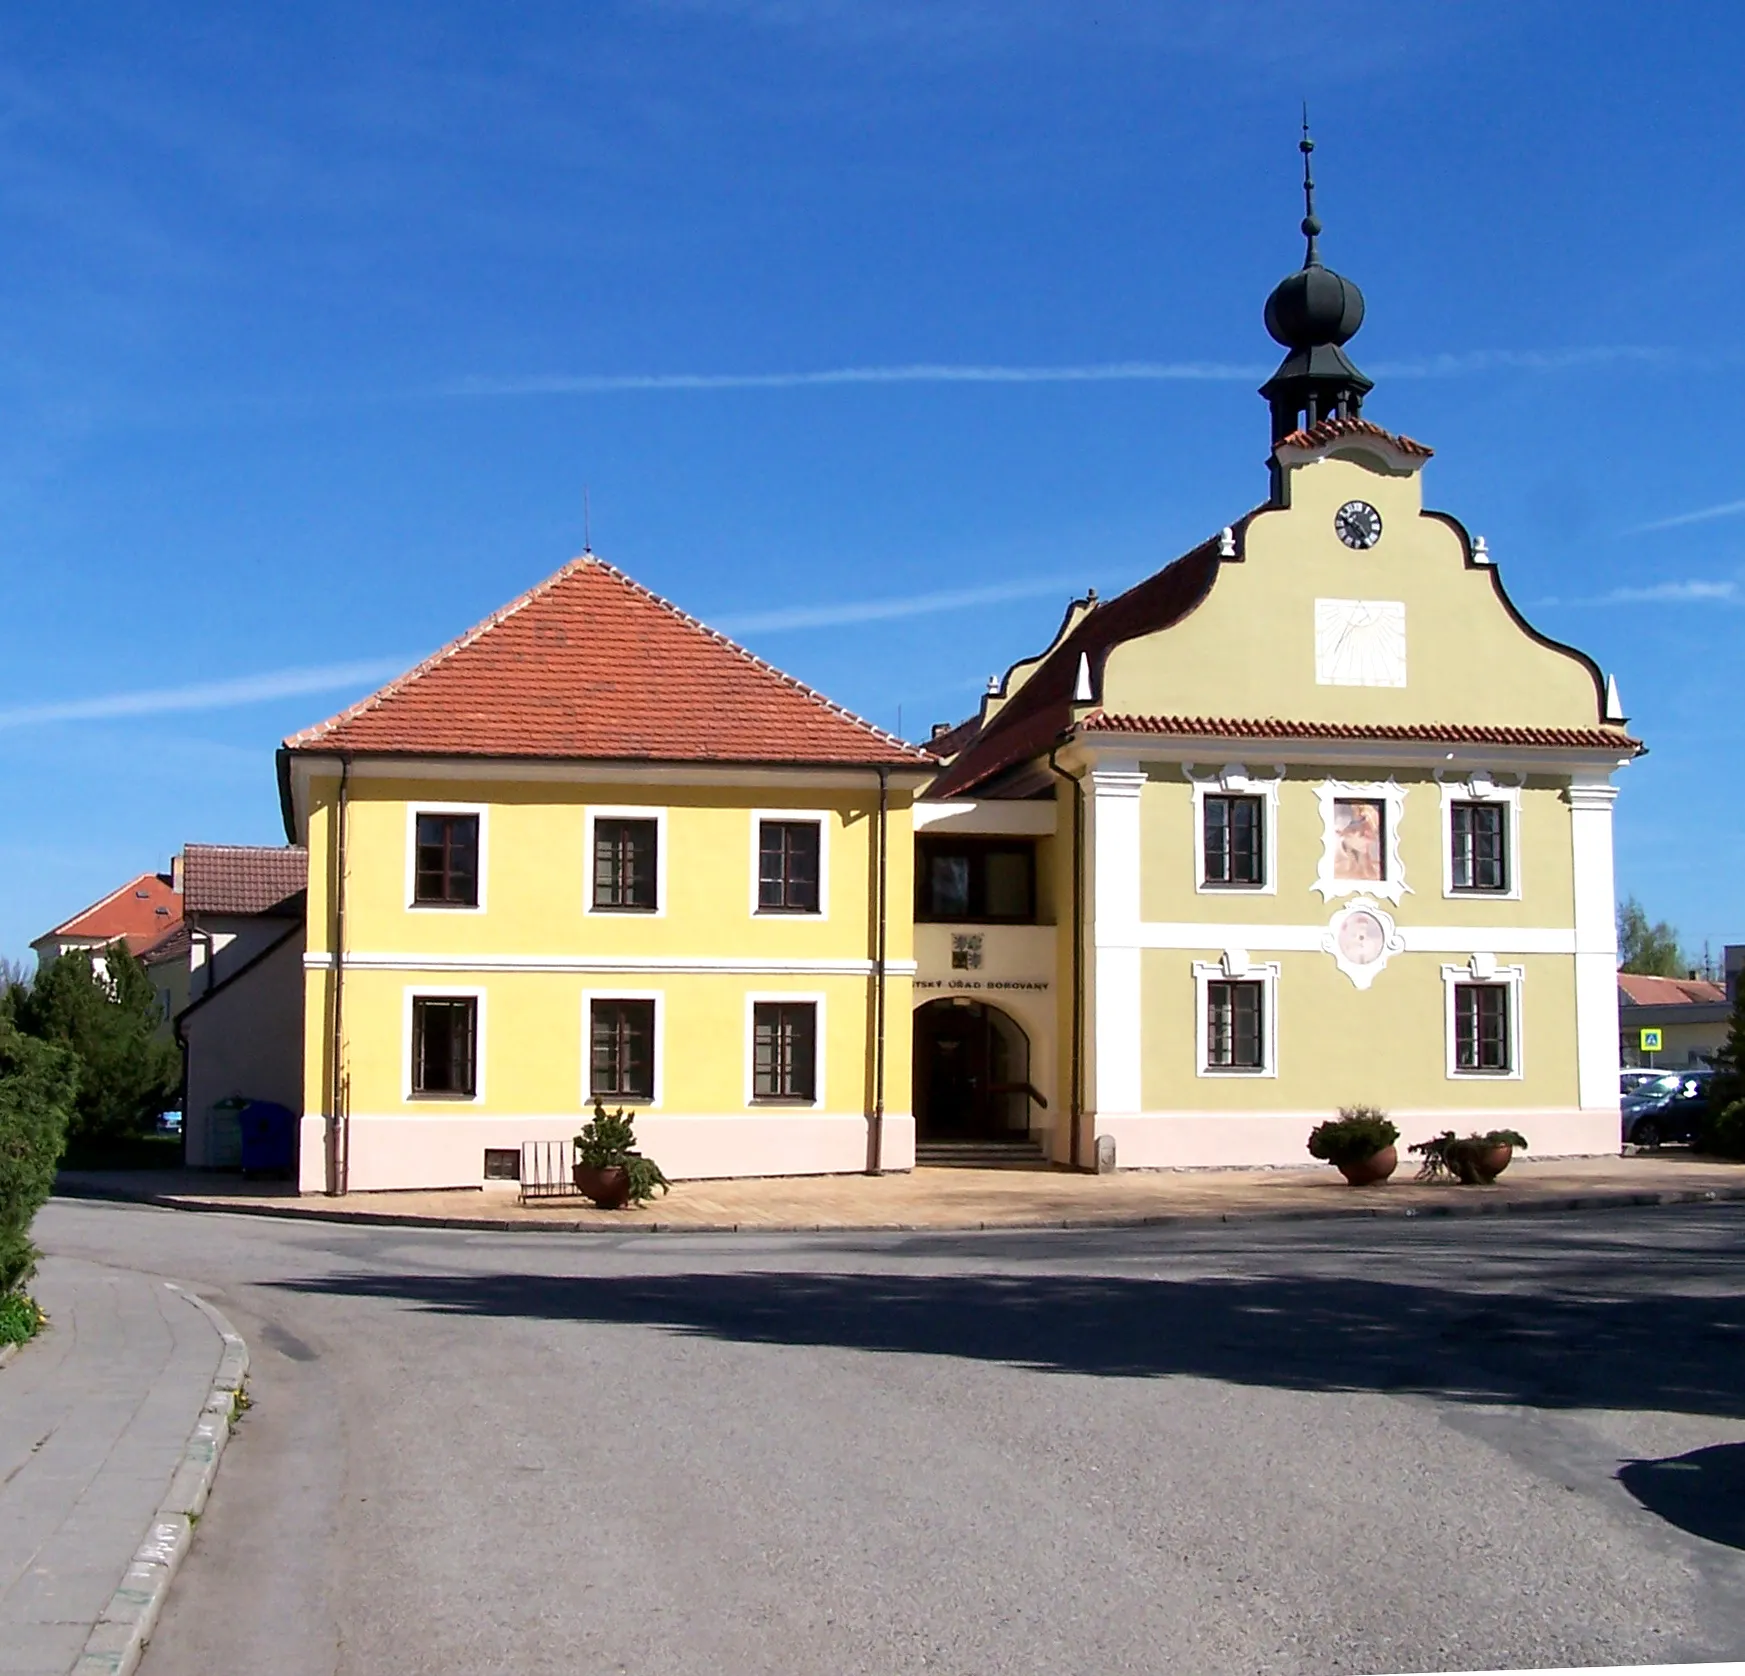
x=940 y=729
x=176 y=873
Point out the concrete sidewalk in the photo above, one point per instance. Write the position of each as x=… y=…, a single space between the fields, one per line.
x=945 y=1199
x=95 y=1417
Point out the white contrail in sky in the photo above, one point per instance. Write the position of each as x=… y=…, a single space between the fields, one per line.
x=1094 y=372
x=209 y=695
x=1687 y=592
x=1727 y=509
x=882 y=610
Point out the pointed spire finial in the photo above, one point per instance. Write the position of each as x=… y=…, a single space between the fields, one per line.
x=1311 y=226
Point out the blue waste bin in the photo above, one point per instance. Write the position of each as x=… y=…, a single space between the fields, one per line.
x=269 y=1133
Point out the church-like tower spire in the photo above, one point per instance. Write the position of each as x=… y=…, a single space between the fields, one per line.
x=1312 y=313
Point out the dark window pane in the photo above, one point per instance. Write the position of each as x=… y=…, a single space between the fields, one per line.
x=975 y=879
x=787 y=867
x=444 y=1032
x=784 y=1050
x=625 y=853
x=621 y=1063
x=1233 y=1026
x=948 y=879
x=446 y=866
x=1481 y=1027
x=1476 y=835
x=1233 y=841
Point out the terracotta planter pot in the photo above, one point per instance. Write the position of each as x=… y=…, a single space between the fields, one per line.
x=1484 y=1164
x=1366 y=1172
x=607 y=1185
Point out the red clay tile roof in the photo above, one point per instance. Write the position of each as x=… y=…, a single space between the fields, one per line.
x=1439 y=733
x=131 y=913
x=173 y=945
x=241 y=878
x=591 y=664
x=1640 y=990
x=1326 y=431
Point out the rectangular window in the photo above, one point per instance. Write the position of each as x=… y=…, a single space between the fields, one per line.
x=784 y=1050
x=625 y=852
x=502 y=1163
x=445 y=1034
x=446 y=871
x=787 y=867
x=975 y=879
x=1481 y=1027
x=622 y=1050
x=1233 y=841
x=1476 y=833
x=1233 y=1026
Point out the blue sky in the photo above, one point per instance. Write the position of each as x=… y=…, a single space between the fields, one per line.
x=316 y=322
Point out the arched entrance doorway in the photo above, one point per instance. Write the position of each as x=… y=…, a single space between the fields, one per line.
x=972 y=1073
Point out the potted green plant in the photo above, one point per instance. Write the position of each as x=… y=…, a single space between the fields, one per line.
x=1475 y=1159
x=1359 y=1143
x=608 y=1169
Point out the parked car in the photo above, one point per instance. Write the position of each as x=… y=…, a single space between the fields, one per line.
x=1670 y=1108
x=1630 y=1081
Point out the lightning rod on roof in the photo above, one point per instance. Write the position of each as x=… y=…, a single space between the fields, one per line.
x=587 y=522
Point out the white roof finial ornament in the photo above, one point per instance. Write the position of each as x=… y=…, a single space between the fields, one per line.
x=1081 y=687
x=993 y=686
x=1226 y=543
x=1614 y=704
x=1481 y=553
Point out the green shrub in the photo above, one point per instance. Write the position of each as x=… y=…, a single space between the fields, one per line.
x=128 y=1073
x=20 y=1318
x=608 y=1141
x=37 y=1087
x=1725 y=1131
x=1359 y=1132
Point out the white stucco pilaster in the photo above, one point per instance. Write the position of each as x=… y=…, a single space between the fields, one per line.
x=1112 y=1001
x=1590 y=799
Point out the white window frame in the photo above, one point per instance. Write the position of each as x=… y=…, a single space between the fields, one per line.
x=413 y=811
x=1483 y=968
x=442 y=992
x=1392 y=795
x=658 y=997
x=1234 y=780
x=1235 y=966
x=1481 y=787
x=625 y=812
x=820 y=1048
x=822 y=818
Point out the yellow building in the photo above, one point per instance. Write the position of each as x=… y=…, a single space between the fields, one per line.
x=1310 y=818
x=593 y=850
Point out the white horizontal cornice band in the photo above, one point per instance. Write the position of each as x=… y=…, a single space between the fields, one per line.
x=1380 y=754
x=609 y=963
x=591 y=771
x=1308 y=939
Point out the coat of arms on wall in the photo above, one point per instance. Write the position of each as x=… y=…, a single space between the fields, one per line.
x=966 y=951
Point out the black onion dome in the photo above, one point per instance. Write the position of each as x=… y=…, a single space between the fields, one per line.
x=1314 y=306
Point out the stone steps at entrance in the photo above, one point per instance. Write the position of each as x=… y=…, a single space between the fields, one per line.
x=1021 y=1154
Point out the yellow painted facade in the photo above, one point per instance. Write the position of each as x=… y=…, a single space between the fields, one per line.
x=534 y=953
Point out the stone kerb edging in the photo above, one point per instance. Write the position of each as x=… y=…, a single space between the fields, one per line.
x=119 y=1636
x=7 y=1352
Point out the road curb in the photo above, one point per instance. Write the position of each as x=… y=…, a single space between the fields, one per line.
x=119 y=1636
x=7 y=1352
x=1462 y=1202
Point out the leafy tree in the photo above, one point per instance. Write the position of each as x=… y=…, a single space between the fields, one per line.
x=108 y=1015
x=37 y=1084
x=1726 y=1127
x=1651 y=950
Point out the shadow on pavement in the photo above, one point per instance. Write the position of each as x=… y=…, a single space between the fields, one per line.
x=1702 y=1492
x=1671 y=1351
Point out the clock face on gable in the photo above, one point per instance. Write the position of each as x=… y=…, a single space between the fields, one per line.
x=1357 y=524
x=1360 y=643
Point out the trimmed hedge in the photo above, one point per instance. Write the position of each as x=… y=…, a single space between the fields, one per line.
x=37 y=1085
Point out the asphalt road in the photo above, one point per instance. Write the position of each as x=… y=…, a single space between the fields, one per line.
x=1317 y=1447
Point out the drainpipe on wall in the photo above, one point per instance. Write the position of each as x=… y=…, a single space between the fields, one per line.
x=875 y=1140
x=338 y=1137
x=1075 y=1102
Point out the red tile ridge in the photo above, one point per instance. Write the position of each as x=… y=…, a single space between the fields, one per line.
x=1325 y=431
x=313 y=735
x=1468 y=733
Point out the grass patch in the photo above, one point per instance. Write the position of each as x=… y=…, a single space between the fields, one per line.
x=20 y=1318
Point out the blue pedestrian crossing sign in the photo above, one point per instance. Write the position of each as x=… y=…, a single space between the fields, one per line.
x=1650 y=1041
